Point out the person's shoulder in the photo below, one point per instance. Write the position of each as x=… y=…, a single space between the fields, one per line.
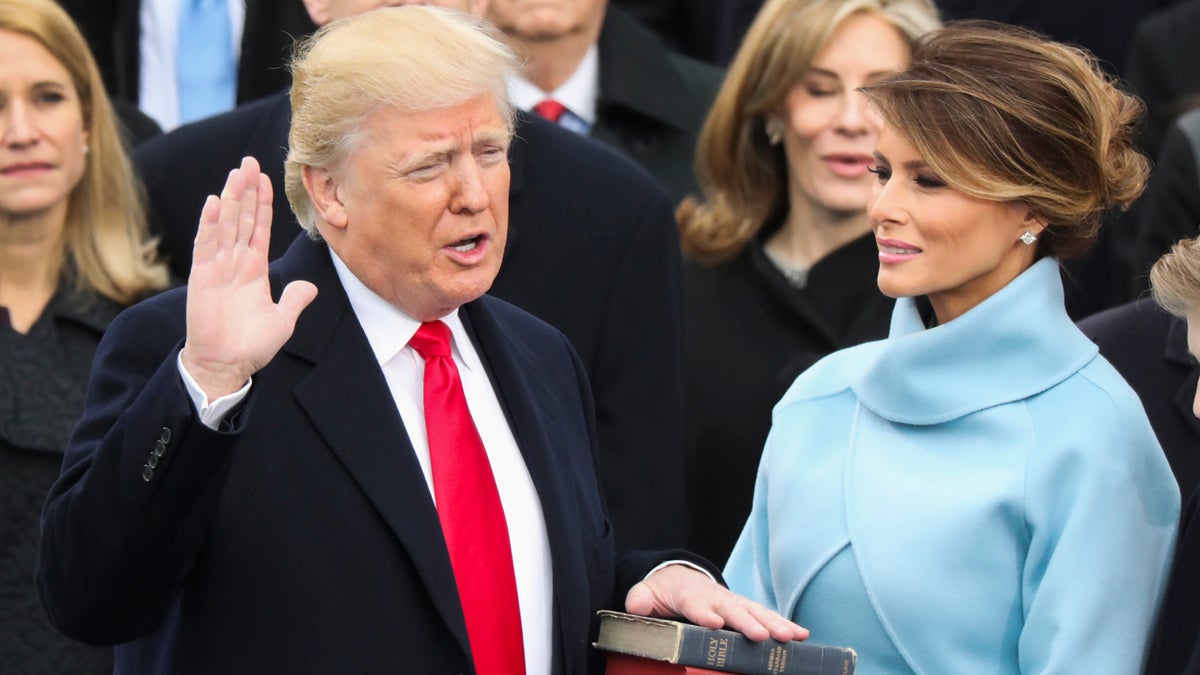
x=1094 y=406
x=1119 y=324
x=555 y=153
x=626 y=41
x=232 y=126
x=701 y=77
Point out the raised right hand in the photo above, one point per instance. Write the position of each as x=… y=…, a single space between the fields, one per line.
x=234 y=327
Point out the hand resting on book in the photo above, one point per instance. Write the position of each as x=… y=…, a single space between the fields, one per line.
x=680 y=591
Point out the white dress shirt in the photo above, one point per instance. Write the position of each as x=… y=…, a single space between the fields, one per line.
x=388 y=331
x=578 y=93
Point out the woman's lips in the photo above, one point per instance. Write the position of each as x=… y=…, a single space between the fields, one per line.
x=846 y=165
x=26 y=169
x=895 y=251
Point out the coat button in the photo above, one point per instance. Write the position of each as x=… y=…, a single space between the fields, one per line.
x=152 y=461
x=147 y=473
x=165 y=435
x=159 y=448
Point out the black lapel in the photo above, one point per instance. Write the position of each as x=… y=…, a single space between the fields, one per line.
x=348 y=401
x=512 y=368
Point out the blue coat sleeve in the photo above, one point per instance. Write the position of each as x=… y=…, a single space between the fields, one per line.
x=1101 y=509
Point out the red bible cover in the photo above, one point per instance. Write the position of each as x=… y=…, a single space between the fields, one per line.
x=624 y=664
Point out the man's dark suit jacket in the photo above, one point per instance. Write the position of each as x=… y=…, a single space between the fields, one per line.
x=1175 y=649
x=1163 y=67
x=1170 y=208
x=652 y=101
x=592 y=250
x=301 y=537
x=1149 y=348
x=112 y=29
x=710 y=30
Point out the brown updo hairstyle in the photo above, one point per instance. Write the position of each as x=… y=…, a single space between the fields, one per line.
x=1004 y=114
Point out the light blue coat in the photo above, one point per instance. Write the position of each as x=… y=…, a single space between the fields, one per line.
x=1003 y=496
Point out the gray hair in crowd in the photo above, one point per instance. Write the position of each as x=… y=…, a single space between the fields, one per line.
x=412 y=58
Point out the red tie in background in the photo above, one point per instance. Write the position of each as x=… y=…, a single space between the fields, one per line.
x=469 y=509
x=550 y=109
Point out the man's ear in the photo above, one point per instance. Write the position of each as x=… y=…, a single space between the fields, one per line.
x=322 y=189
x=318 y=11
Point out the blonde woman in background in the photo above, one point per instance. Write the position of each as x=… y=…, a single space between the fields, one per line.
x=782 y=264
x=73 y=252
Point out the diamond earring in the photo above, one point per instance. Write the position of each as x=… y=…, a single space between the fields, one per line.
x=774 y=129
x=1028 y=238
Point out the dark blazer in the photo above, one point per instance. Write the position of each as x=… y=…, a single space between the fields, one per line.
x=652 y=101
x=112 y=29
x=1149 y=348
x=301 y=536
x=592 y=250
x=710 y=30
x=1163 y=67
x=1170 y=209
x=1175 y=649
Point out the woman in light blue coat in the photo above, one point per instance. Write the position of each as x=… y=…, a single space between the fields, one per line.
x=980 y=492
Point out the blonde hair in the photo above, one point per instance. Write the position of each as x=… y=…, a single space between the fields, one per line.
x=1175 y=278
x=1004 y=114
x=744 y=177
x=106 y=233
x=413 y=58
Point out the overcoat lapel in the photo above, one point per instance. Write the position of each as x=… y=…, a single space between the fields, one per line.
x=347 y=399
x=521 y=393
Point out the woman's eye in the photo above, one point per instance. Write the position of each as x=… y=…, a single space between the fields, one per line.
x=930 y=182
x=49 y=97
x=883 y=172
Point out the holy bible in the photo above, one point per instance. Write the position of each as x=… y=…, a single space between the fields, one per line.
x=717 y=649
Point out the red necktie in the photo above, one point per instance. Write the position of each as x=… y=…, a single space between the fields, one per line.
x=550 y=109
x=469 y=509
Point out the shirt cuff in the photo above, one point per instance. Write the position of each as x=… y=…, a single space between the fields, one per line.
x=211 y=413
x=680 y=562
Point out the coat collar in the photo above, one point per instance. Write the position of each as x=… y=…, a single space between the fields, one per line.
x=636 y=74
x=1015 y=344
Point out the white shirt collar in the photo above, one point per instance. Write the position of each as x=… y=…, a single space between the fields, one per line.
x=388 y=329
x=578 y=93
